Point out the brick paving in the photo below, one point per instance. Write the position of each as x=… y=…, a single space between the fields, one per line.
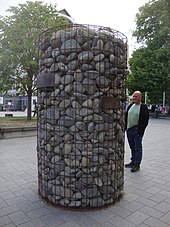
x=146 y=201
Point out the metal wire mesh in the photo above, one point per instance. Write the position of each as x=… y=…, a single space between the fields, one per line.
x=81 y=94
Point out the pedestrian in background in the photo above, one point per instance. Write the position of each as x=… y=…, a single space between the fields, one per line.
x=35 y=109
x=136 y=121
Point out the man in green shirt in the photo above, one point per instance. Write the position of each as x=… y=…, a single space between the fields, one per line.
x=136 y=119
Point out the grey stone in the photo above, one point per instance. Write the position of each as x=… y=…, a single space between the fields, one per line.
x=79 y=141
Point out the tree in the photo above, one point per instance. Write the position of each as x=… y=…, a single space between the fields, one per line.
x=149 y=74
x=150 y=64
x=19 y=34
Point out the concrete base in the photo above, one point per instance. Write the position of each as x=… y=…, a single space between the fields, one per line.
x=17 y=132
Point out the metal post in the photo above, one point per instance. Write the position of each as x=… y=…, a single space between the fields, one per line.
x=163 y=103
x=146 y=97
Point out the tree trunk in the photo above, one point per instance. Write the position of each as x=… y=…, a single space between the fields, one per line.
x=29 y=110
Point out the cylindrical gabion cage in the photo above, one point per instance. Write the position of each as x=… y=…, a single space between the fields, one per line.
x=81 y=94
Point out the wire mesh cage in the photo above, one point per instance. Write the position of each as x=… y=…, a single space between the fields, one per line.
x=81 y=99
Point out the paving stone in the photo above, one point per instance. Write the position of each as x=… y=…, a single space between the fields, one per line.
x=69 y=215
x=121 y=211
x=8 y=210
x=146 y=200
x=153 y=222
x=166 y=218
x=142 y=225
x=108 y=225
x=167 y=200
x=70 y=224
x=151 y=212
x=102 y=219
x=27 y=206
x=84 y=221
x=137 y=217
x=16 y=200
x=133 y=206
x=118 y=221
x=7 y=195
x=38 y=213
x=10 y=225
x=130 y=197
x=3 y=203
x=34 y=223
x=158 y=198
x=19 y=218
x=52 y=220
x=142 y=193
x=5 y=220
x=163 y=207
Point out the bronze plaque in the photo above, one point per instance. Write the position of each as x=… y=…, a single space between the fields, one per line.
x=108 y=103
x=45 y=80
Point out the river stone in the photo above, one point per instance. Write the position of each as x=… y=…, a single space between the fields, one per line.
x=80 y=136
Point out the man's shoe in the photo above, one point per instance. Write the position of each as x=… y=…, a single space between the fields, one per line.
x=135 y=168
x=130 y=165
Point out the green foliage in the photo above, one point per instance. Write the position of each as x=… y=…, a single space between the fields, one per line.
x=153 y=23
x=19 y=34
x=150 y=64
x=18 y=37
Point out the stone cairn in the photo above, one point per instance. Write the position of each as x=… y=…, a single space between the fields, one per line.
x=81 y=94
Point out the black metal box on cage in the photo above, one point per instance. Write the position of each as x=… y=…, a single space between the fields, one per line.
x=81 y=99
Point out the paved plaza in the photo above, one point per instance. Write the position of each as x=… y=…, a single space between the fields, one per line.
x=146 y=200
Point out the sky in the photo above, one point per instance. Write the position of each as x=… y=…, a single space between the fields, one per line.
x=116 y=14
